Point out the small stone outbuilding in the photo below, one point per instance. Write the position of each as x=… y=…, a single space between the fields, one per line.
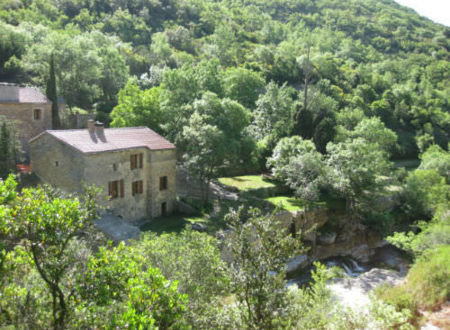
x=27 y=108
x=135 y=167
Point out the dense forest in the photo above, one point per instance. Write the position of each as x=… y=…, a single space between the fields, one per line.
x=329 y=99
x=300 y=67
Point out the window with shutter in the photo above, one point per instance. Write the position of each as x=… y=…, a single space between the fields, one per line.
x=37 y=114
x=133 y=162
x=141 y=160
x=163 y=183
x=137 y=187
x=136 y=161
x=115 y=189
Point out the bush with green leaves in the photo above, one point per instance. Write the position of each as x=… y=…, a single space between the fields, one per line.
x=193 y=260
x=50 y=276
x=119 y=289
x=426 y=286
x=424 y=191
x=10 y=147
x=259 y=249
x=45 y=223
x=436 y=158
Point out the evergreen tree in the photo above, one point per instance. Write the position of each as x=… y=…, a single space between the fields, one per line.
x=7 y=150
x=52 y=94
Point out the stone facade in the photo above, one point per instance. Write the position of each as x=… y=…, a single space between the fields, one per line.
x=67 y=168
x=28 y=109
x=25 y=124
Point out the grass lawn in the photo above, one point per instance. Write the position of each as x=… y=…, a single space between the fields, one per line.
x=173 y=223
x=248 y=182
x=287 y=203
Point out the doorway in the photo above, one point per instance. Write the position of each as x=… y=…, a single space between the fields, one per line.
x=163 y=208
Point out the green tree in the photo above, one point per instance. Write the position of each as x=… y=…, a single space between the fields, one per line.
x=9 y=148
x=13 y=43
x=317 y=121
x=225 y=44
x=47 y=223
x=52 y=94
x=373 y=131
x=138 y=107
x=436 y=158
x=214 y=139
x=305 y=174
x=192 y=259
x=287 y=149
x=355 y=170
x=242 y=85
x=432 y=234
x=118 y=289
x=424 y=190
x=274 y=110
x=89 y=66
x=260 y=249
x=206 y=150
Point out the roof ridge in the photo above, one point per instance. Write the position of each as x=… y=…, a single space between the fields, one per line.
x=106 y=128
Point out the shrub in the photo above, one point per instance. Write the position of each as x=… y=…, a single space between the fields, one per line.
x=399 y=297
x=426 y=286
x=429 y=278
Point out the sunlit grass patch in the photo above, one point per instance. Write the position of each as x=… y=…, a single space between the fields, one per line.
x=287 y=203
x=248 y=182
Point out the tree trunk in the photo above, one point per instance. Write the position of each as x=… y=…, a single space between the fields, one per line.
x=59 y=309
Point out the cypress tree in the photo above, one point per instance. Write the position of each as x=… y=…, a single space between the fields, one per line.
x=5 y=150
x=52 y=94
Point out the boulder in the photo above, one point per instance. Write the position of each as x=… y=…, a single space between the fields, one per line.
x=198 y=226
x=326 y=238
x=296 y=263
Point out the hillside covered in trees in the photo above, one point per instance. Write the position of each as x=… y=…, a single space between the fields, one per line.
x=276 y=68
x=324 y=94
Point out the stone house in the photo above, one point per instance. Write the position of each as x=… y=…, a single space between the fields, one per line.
x=27 y=108
x=135 y=167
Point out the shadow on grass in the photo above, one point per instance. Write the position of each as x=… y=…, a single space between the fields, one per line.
x=213 y=220
x=174 y=223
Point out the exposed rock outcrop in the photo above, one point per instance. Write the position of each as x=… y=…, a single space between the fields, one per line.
x=349 y=238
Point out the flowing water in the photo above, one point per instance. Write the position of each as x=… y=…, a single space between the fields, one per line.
x=387 y=257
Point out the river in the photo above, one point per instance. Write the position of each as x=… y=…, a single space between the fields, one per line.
x=388 y=265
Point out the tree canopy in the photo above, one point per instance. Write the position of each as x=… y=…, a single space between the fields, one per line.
x=336 y=61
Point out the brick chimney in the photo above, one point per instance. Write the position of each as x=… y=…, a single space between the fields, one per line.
x=91 y=125
x=99 y=126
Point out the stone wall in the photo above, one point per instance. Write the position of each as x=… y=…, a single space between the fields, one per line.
x=57 y=164
x=102 y=168
x=25 y=124
x=66 y=168
x=163 y=163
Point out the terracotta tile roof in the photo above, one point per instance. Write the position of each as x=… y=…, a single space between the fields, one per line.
x=112 y=139
x=31 y=95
